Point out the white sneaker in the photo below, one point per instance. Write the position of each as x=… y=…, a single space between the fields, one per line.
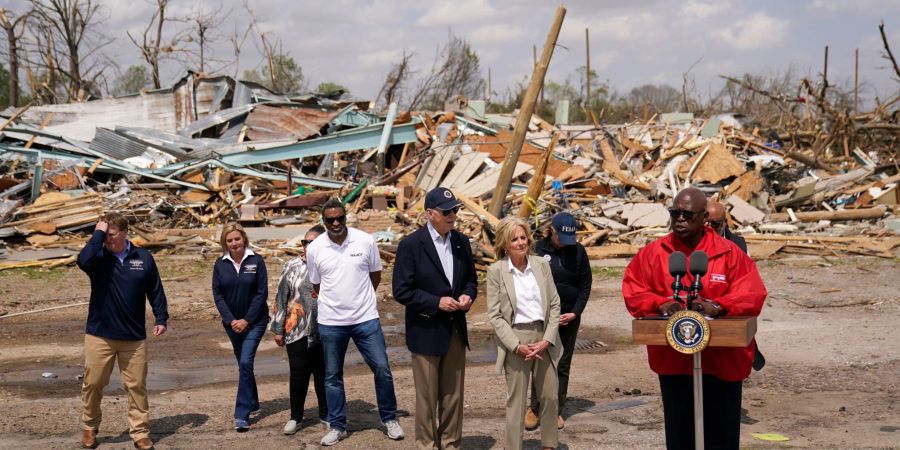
x=291 y=427
x=333 y=436
x=393 y=430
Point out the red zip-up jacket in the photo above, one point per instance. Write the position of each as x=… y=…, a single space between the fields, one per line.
x=732 y=280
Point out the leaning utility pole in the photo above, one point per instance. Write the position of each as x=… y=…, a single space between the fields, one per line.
x=525 y=112
x=856 y=85
x=587 y=70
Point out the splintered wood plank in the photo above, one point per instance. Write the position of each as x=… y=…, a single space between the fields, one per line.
x=487 y=181
x=477 y=209
x=716 y=165
x=612 y=251
x=465 y=167
x=431 y=175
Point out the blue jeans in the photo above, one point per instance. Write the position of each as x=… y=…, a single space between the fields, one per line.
x=245 y=345
x=370 y=341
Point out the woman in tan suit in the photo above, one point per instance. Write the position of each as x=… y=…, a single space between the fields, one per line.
x=523 y=308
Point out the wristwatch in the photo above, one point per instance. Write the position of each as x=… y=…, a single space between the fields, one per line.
x=719 y=311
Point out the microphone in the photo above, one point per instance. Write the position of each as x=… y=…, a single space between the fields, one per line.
x=677 y=268
x=698 y=266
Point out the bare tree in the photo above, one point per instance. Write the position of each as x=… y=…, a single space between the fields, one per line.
x=151 y=45
x=203 y=26
x=660 y=99
x=12 y=50
x=395 y=81
x=455 y=71
x=237 y=39
x=281 y=72
x=887 y=50
x=67 y=34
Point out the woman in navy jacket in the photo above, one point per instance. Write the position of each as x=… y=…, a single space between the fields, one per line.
x=240 y=288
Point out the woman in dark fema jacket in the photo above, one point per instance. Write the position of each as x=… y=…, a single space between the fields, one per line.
x=240 y=288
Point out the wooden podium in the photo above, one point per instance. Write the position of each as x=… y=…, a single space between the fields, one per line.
x=737 y=331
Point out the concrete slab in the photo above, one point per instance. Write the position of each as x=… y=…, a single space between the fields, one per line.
x=640 y=215
x=275 y=233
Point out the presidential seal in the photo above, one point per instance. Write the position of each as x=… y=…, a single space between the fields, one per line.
x=687 y=332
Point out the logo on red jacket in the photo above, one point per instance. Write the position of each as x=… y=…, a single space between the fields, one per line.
x=718 y=278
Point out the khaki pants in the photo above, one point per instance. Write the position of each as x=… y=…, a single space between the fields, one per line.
x=518 y=372
x=439 y=395
x=99 y=356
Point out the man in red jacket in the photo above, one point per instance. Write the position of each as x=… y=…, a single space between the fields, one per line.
x=731 y=287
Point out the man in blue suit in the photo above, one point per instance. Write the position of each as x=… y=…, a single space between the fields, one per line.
x=434 y=277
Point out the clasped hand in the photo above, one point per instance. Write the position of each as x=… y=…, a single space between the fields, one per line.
x=533 y=350
x=239 y=326
x=449 y=304
x=701 y=305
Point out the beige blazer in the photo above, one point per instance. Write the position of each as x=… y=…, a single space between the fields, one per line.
x=501 y=306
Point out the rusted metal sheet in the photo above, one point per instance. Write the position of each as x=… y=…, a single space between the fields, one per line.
x=183 y=96
x=268 y=122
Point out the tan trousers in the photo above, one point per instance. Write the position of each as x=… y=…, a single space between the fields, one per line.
x=439 y=396
x=543 y=374
x=99 y=356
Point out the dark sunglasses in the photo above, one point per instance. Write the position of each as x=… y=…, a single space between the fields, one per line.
x=447 y=212
x=688 y=215
x=304 y=242
x=715 y=223
x=340 y=219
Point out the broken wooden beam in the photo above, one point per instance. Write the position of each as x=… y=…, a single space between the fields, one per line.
x=843 y=214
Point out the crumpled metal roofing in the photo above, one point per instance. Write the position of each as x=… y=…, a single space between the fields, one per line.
x=268 y=122
x=214 y=119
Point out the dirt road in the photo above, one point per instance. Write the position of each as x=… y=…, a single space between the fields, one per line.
x=829 y=332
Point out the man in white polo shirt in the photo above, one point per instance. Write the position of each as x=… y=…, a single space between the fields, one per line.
x=345 y=269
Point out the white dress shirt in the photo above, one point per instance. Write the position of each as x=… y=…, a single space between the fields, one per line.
x=444 y=251
x=237 y=264
x=529 y=306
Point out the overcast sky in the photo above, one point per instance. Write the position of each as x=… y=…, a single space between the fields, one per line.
x=633 y=42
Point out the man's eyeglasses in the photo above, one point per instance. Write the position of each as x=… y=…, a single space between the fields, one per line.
x=340 y=219
x=715 y=223
x=304 y=242
x=446 y=212
x=688 y=215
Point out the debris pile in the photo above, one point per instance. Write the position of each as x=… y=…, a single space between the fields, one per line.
x=209 y=150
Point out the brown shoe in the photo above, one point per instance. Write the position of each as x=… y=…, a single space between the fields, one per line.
x=89 y=439
x=144 y=444
x=531 y=419
x=560 y=423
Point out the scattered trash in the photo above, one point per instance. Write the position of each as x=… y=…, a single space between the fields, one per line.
x=49 y=375
x=773 y=437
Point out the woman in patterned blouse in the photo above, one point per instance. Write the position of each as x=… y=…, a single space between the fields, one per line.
x=295 y=329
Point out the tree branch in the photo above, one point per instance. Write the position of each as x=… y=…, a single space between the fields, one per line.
x=887 y=48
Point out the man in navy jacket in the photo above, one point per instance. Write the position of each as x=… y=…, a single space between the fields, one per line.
x=122 y=276
x=434 y=277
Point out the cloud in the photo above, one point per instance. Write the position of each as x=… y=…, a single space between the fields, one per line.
x=868 y=7
x=492 y=34
x=641 y=26
x=454 y=13
x=380 y=58
x=700 y=10
x=757 y=31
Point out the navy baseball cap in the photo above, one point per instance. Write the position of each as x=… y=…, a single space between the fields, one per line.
x=565 y=226
x=440 y=198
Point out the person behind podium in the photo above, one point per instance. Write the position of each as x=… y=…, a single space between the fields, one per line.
x=731 y=287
